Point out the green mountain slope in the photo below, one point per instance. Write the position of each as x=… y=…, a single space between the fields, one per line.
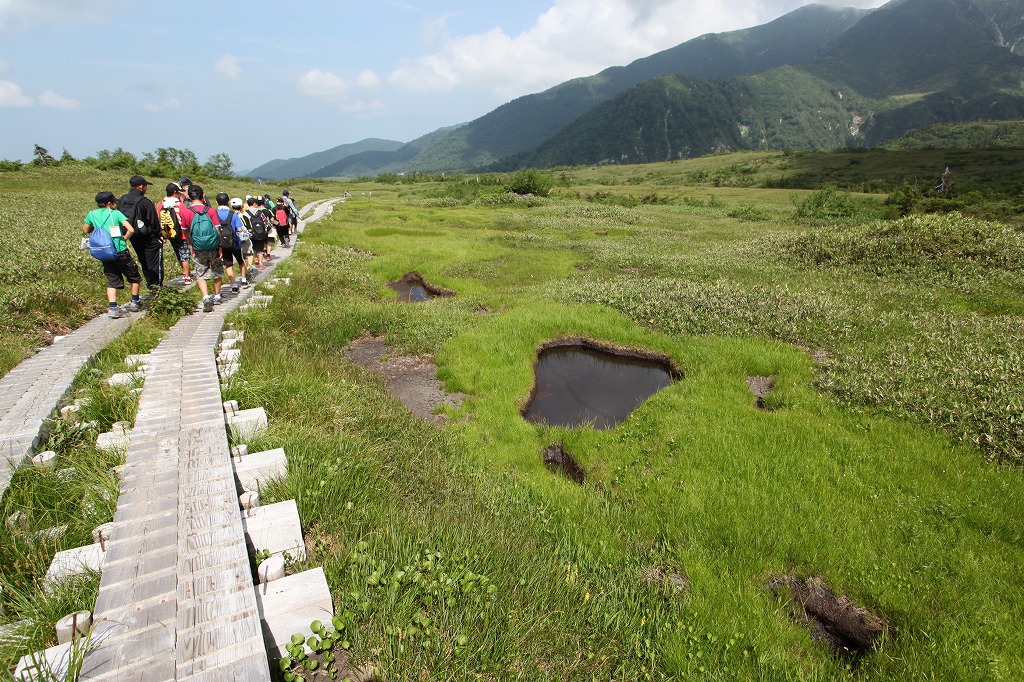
x=526 y=122
x=382 y=161
x=908 y=65
x=282 y=169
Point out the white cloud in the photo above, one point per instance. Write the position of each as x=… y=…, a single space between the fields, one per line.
x=368 y=80
x=54 y=101
x=318 y=83
x=12 y=96
x=578 y=38
x=171 y=103
x=228 y=66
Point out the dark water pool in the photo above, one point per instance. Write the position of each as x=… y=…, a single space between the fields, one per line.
x=412 y=288
x=579 y=385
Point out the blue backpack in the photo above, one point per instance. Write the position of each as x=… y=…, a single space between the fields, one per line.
x=204 y=235
x=101 y=244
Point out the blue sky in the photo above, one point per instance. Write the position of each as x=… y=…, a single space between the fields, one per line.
x=261 y=80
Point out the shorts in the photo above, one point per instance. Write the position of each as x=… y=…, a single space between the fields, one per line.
x=231 y=256
x=258 y=245
x=120 y=269
x=208 y=265
x=182 y=251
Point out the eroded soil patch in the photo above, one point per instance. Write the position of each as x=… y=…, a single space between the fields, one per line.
x=761 y=387
x=674 y=580
x=412 y=288
x=558 y=461
x=411 y=380
x=849 y=629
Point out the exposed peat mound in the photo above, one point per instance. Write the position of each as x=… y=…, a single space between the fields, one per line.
x=580 y=382
x=412 y=288
x=411 y=380
x=558 y=461
x=672 y=580
x=761 y=387
x=849 y=629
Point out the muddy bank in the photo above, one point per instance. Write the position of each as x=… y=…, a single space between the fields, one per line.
x=411 y=380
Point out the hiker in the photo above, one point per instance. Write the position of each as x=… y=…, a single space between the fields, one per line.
x=201 y=225
x=171 y=229
x=258 y=228
x=146 y=240
x=121 y=266
x=282 y=219
x=244 y=239
x=230 y=224
x=268 y=216
x=293 y=210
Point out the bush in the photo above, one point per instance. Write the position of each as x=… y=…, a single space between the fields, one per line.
x=173 y=302
x=529 y=181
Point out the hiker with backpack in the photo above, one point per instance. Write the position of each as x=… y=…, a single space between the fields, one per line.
x=146 y=240
x=282 y=221
x=107 y=228
x=172 y=230
x=293 y=211
x=259 y=227
x=200 y=224
x=244 y=240
x=230 y=246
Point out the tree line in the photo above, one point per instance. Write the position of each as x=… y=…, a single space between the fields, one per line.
x=165 y=162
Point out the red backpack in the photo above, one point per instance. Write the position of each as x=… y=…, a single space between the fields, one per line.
x=281 y=215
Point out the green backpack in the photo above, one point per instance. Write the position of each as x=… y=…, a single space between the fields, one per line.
x=205 y=236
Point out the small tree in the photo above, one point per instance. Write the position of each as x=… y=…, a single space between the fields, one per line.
x=42 y=156
x=218 y=166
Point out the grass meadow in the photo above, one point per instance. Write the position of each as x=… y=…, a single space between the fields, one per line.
x=888 y=464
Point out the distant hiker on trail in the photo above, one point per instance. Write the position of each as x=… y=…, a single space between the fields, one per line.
x=201 y=225
x=258 y=228
x=268 y=216
x=293 y=209
x=244 y=239
x=173 y=231
x=146 y=240
x=282 y=219
x=230 y=247
x=119 y=265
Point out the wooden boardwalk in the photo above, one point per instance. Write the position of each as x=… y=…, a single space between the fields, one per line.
x=176 y=599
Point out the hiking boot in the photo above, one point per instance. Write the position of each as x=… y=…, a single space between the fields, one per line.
x=116 y=313
x=234 y=288
x=208 y=304
x=131 y=307
x=217 y=300
x=246 y=283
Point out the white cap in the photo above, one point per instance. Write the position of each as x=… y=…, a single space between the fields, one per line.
x=236 y=203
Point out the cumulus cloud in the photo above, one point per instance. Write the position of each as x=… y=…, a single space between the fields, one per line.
x=54 y=101
x=12 y=96
x=228 y=66
x=578 y=38
x=318 y=83
x=170 y=103
x=368 y=80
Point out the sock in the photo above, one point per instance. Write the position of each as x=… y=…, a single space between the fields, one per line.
x=112 y=304
x=135 y=298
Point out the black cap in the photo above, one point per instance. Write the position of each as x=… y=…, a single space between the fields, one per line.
x=185 y=181
x=138 y=181
x=251 y=201
x=286 y=192
x=172 y=188
x=104 y=198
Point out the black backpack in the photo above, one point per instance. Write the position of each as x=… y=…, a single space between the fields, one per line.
x=128 y=205
x=259 y=226
x=227 y=233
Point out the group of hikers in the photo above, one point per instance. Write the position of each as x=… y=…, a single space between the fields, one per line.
x=208 y=241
